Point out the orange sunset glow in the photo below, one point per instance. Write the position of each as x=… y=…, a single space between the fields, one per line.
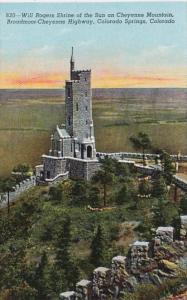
x=103 y=80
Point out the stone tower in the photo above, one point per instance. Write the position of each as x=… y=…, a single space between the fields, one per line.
x=73 y=152
x=78 y=102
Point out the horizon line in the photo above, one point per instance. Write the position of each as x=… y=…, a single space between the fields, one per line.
x=99 y=88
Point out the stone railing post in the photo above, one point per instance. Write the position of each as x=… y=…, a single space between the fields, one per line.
x=67 y=295
x=84 y=290
x=138 y=255
x=101 y=282
x=118 y=274
x=165 y=234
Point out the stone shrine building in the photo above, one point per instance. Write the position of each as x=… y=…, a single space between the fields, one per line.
x=73 y=152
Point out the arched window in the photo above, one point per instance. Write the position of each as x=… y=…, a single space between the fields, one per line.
x=41 y=175
x=69 y=92
x=89 y=152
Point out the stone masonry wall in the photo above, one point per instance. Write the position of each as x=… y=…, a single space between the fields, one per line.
x=82 y=169
x=18 y=189
x=126 y=273
x=182 y=183
x=92 y=168
x=77 y=168
x=53 y=165
x=68 y=147
x=69 y=107
x=138 y=155
x=82 y=106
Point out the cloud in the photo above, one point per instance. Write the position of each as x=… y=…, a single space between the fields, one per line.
x=139 y=79
x=63 y=31
x=159 y=52
x=36 y=60
x=106 y=79
x=46 y=49
x=85 y=43
x=164 y=49
x=41 y=68
x=43 y=80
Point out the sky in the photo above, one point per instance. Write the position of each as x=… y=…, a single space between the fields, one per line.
x=37 y=56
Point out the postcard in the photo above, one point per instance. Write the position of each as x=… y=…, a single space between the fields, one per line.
x=93 y=150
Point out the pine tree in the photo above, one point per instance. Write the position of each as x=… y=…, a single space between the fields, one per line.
x=165 y=213
x=94 y=196
x=124 y=195
x=56 y=193
x=159 y=188
x=183 y=204
x=141 y=142
x=63 y=245
x=57 y=281
x=159 y=213
x=41 y=277
x=7 y=187
x=98 y=248
x=105 y=177
x=80 y=193
x=22 y=292
x=144 y=187
x=168 y=168
x=64 y=260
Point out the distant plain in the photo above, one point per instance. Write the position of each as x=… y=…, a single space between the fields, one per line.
x=28 y=118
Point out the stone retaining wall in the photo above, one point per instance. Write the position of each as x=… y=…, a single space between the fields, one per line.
x=180 y=182
x=138 y=155
x=82 y=169
x=17 y=190
x=142 y=265
x=85 y=169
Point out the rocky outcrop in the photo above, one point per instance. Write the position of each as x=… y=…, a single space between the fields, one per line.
x=183 y=230
x=146 y=262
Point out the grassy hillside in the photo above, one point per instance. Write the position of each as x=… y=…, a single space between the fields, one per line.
x=27 y=121
x=46 y=240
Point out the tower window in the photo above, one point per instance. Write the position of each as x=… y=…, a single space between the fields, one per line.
x=85 y=79
x=69 y=121
x=86 y=94
x=86 y=108
x=77 y=107
x=69 y=92
x=89 y=152
x=86 y=122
